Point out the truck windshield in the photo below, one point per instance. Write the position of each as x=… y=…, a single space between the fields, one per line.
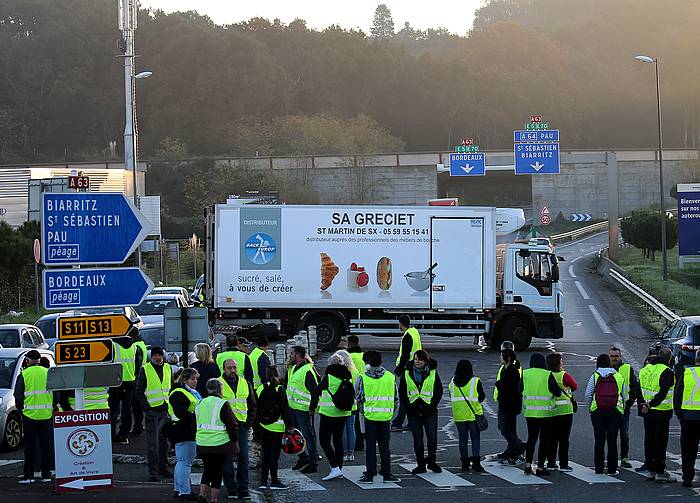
x=535 y=269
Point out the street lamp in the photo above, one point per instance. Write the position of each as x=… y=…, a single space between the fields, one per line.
x=662 y=212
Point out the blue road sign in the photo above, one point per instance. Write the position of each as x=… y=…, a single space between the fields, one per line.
x=105 y=287
x=468 y=164
x=581 y=217
x=89 y=228
x=688 y=219
x=536 y=135
x=536 y=158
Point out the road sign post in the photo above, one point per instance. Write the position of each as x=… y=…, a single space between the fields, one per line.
x=89 y=327
x=88 y=351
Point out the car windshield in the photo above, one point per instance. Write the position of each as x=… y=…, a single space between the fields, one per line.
x=153 y=336
x=9 y=338
x=7 y=369
x=47 y=327
x=103 y=310
x=173 y=290
x=154 y=306
x=694 y=333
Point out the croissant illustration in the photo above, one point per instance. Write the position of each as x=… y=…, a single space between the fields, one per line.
x=328 y=271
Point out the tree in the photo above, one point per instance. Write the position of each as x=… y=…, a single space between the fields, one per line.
x=642 y=229
x=383 y=23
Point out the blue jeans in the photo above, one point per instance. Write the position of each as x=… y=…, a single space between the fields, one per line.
x=184 y=453
x=349 y=433
x=304 y=422
x=237 y=478
x=468 y=429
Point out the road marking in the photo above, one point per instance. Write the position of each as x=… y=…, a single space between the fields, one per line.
x=444 y=479
x=581 y=290
x=512 y=474
x=587 y=475
x=299 y=481
x=353 y=474
x=4 y=462
x=601 y=322
x=571 y=271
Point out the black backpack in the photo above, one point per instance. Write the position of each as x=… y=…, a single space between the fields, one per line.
x=344 y=396
x=269 y=410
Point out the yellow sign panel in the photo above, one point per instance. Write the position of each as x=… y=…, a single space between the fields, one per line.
x=88 y=327
x=98 y=351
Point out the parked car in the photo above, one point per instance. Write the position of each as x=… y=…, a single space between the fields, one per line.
x=177 y=290
x=129 y=311
x=152 y=309
x=12 y=362
x=683 y=337
x=47 y=325
x=21 y=335
x=153 y=334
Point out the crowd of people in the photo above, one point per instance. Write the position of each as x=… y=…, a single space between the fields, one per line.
x=217 y=408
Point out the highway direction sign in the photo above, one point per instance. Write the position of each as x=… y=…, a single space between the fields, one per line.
x=89 y=327
x=97 y=351
x=472 y=164
x=536 y=135
x=89 y=228
x=102 y=287
x=536 y=158
x=688 y=219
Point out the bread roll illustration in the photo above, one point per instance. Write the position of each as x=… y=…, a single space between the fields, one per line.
x=384 y=273
x=328 y=271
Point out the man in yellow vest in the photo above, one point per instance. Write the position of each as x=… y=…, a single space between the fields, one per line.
x=120 y=397
x=686 y=403
x=234 y=352
x=140 y=357
x=152 y=389
x=259 y=361
x=241 y=396
x=656 y=382
x=632 y=386
x=36 y=404
x=301 y=381
x=410 y=343
x=375 y=391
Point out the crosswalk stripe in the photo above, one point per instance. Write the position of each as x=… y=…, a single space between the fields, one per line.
x=444 y=479
x=299 y=481
x=512 y=474
x=587 y=475
x=353 y=474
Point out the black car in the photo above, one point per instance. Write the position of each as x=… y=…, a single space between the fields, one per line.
x=683 y=336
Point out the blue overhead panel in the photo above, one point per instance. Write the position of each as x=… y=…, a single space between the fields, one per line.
x=536 y=135
x=467 y=164
x=536 y=158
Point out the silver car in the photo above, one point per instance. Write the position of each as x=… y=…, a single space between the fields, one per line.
x=11 y=364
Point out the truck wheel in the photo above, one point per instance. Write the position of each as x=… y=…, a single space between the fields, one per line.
x=329 y=331
x=13 y=433
x=517 y=330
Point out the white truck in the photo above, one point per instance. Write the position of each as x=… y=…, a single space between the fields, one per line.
x=355 y=269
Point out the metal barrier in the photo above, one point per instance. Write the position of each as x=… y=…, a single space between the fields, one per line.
x=577 y=233
x=647 y=298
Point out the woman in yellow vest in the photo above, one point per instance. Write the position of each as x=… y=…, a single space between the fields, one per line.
x=466 y=395
x=539 y=392
x=349 y=430
x=182 y=402
x=357 y=356
x=216 y=437
x=562 y=415
x=420 y=390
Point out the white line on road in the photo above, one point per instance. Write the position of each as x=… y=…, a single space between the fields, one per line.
x=353 y=474
x=512 y=474
x=571 y=271
x=581 y=290
x=587 y=475
x=299 y=481
x=444 y=479
x=601 y=322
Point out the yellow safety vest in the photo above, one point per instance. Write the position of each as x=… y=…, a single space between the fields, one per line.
x=415 y=344
x=298 y=396
x=127 y=357
x=156 y=390
x=691 y=389
x=620 y=388
x=498 y=376
x=358 y=361
x=238 y=356
x=211 y=430
x=254 y=356
x=38 y=401
x=462 y=397
x=190 y=407
x=379 y=397
x=355 y=374
x=93 y=399
x=562 y=403
x=625 y=370
x=649 y=377
x=426 y=391
x=537 y=400
x=277 y=426
x=326 y=407
x=238 y=399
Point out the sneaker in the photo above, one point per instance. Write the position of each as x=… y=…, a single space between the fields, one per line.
x=123 y=441
x=264 y=484
x=665 y=477
x=351 y=456
x=502 y=455
x=419 y=469
x=300 y=464
x=614 y=472
x=434 y=467
x=625 y=463
x=391 y=478
x=309 y=469
x=232 y=496
x=335 y=473
x=642 y=468
x=542 y=472
x=651 y=476
x=26 y=481
x=45 y=479
x=244 y=495
x=346 y=458
x=565 y=468
x=366 y=479
x=528 y=470
x=277 y=485
x=509 y=461
x=552 y=466
x=395 y=429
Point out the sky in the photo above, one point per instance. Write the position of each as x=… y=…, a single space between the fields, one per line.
x=455 y=15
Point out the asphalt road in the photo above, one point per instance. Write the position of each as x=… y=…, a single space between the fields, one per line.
x=595 y=319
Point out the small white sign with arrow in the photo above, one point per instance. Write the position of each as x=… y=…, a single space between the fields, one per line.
x=81 y=484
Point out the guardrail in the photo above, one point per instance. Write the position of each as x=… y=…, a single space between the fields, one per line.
x=577 y=233
x=646 y=297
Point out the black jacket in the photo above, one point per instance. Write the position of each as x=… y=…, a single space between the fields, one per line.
x=510 y=399
x=406 y=346
x=185 y=429
x=268 y=396
x=206 y=371
x=420 y=408
x=336 y=370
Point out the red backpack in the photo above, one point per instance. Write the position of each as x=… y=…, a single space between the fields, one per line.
x=606 y=393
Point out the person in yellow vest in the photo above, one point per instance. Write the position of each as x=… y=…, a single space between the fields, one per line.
x=605 y=396
x=120 y=397
x=274 y=416
x=686 y=403
x=93 y=399
x=507 y=393
x=656 y=381
x=140 y=357
x=182 y=402
x=216 y=438
x=234 y=352
x=420 y=391
x=466 y=395
x=562 y=415
x=36 y=404
x=241 y=396
x=333 y=419
x=301 y=381
x=410 y=343
x=539 y=392
x=349 y=435
x=632 y=386
x=152 y=389
x=375 y=391
x=355 y=352
x=259 y=361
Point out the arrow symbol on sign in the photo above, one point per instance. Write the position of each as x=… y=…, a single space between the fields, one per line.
x=467 y=168
x=82 y=483
x=537 y=166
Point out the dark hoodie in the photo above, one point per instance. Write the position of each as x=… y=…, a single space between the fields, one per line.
x=537 y=361
x=509 y=385
x=420 y=408
x=336 y=370
x=463 y=374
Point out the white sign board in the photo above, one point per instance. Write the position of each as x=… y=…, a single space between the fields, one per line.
x=355 y=256
x=83 y=447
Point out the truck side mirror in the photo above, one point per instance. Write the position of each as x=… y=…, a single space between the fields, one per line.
x=555 y=273
x=561 y=259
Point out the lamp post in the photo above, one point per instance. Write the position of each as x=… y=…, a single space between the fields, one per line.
x=664 y=266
